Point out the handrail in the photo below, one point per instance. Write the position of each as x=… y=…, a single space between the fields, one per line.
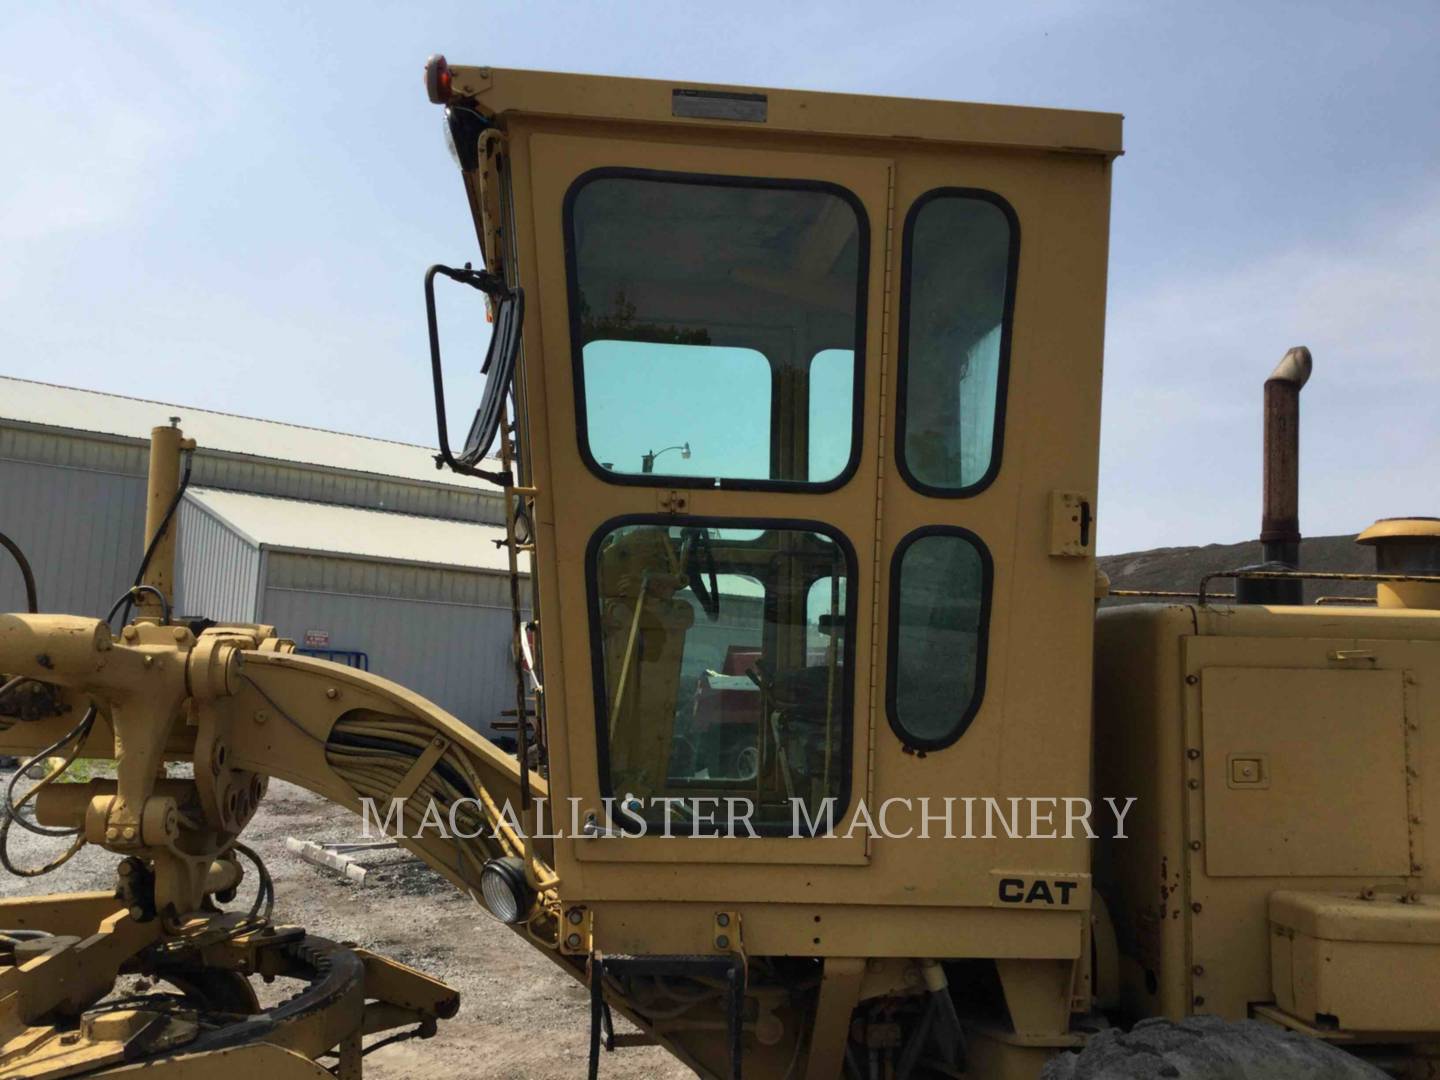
x=1266 y=573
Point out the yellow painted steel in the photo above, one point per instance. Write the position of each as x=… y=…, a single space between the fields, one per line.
x=1278 y=750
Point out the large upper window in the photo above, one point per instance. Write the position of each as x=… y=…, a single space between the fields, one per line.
x=957 y=297
x=939 y=610
x=718 y=328
x=723 y=669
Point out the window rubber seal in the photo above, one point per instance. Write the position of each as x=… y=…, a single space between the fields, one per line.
x=597 y=661
x=1002 y=379
x=572 y=289
x=911 y=742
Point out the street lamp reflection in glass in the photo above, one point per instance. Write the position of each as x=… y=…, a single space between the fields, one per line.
x=647 y=461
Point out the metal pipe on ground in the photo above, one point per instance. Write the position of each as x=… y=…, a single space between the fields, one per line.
x=1280 y=520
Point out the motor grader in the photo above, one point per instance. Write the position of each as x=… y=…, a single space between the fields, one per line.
x=796 y=403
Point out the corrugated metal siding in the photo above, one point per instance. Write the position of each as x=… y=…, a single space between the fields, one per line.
x=353 y=532
x=324 y=573
x=76 y=504
x=24 y=401
x=342 y=489
x=457 y=656
x=82 y=531
x=217 y=573
x=125 y=457
x=115 y=454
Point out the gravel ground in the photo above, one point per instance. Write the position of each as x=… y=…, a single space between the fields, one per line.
x=520 y=1016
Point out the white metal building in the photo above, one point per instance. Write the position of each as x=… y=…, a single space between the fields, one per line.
x=359 y=543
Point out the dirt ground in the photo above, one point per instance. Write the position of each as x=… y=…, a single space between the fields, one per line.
x=520 y=1018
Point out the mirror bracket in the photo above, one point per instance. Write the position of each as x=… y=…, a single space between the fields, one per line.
x=499 y=365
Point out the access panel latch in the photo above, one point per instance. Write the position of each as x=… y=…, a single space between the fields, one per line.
x=1072 y=525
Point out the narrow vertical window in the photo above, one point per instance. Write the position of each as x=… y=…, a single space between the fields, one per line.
x=939 y=618
x=957 y=301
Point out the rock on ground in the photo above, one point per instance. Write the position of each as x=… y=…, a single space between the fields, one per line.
x=1207 y=1048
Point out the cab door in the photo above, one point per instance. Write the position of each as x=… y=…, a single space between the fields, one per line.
x=711 y=395
x=987 y=502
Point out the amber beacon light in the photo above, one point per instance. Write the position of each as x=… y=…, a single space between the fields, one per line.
x=438 y=79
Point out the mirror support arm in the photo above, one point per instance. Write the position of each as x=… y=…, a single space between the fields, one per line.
x=503 y=350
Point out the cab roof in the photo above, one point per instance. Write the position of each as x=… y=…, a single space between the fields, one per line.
x=500 y=92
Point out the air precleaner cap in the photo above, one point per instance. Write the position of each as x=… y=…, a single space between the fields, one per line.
x=1405 y=546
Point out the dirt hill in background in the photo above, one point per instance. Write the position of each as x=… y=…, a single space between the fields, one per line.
x=1181 y=568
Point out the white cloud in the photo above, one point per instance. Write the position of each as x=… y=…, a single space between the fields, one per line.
x=1185 y=361
x=77 y=161
x=71 y=169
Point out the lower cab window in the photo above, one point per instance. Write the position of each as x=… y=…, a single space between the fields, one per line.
x=940 y=587
x=723 y=674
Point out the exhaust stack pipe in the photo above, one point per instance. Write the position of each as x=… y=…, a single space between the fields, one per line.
x=1280 y=521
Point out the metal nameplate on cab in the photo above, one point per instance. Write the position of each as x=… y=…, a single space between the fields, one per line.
x=718 y=105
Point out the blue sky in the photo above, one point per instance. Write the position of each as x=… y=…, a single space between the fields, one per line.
x=231 y=207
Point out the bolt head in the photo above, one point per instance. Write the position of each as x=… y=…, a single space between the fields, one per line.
x=332 y=693
x=576 y=916
x=129 y=633
x=722 y=919
x=722 y=942
x=573 y=941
